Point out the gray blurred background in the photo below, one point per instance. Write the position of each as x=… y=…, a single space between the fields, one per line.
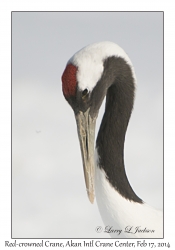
x=49 y=198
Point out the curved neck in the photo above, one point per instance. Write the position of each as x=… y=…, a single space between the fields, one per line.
x=111 y=136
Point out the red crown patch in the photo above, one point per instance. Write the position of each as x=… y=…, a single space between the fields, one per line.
x=69 y=80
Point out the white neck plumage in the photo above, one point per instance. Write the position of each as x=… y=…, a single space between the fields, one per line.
x=123 y=218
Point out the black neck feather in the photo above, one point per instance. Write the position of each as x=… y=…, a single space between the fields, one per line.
x=111 y=136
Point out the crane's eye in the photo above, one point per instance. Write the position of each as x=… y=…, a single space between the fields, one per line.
x=85 y=93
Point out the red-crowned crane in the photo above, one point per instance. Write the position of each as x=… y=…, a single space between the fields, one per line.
x=99 y=70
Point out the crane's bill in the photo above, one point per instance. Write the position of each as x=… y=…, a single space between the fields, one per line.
x=86 y=134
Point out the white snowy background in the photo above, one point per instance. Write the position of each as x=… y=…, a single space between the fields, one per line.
x=49 y=198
